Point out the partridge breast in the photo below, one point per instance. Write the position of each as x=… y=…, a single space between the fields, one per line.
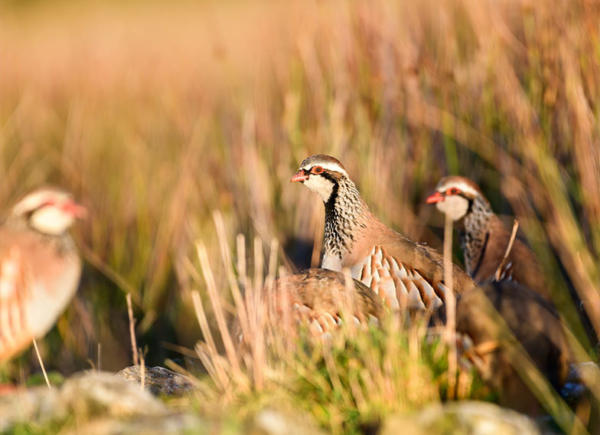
x=37 y=280
x=398 y=284
x=405 y=274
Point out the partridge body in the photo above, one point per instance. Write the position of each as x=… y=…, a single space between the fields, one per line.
x=39 y=267
x=486 y=238
x=316 y=298
x=403 y=273
x=535 y=326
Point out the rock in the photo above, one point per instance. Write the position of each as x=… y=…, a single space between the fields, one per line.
x=401 y=424
x=271 y=421
x=171 y=424
x=100 y=402
x=37 y=404
x=468 y=417
x=159 y=380
x=102 y=393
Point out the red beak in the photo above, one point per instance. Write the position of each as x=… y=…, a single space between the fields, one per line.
x=75 y=209
x=301 y=175
x=435 y=198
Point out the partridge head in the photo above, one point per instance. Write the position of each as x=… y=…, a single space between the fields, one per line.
x=48 y=211
x=39 y=266
x=454 y=196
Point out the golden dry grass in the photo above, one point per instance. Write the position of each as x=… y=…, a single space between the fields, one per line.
x=155 y=114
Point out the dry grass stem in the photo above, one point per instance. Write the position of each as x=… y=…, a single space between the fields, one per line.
x=142 y=372
x=39 y=358
x=511 y=241
x=241 y=311
x=134 y=351
x=217 y=306
x=450 y=301
x=203 y=322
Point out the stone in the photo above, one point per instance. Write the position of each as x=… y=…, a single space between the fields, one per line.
x=100 y=402
x=103 y=393
x=273 y=421
x=466 y=417
x=36 y=404
x=159 y=380
x=170 y=424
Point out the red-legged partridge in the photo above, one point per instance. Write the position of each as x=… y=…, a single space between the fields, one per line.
x=486 y=237
x=404 y=273
x=39 y=267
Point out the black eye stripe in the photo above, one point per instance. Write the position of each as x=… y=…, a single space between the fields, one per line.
x=456 y=193
x=328 y=176
x=452 y=191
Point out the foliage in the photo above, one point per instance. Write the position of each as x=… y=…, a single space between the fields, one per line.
x=157 y=114
x=347 y=380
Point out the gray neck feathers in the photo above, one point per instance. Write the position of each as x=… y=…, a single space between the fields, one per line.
x=476 y=233
x=344 y=215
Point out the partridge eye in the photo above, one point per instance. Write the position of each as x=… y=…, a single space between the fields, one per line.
x=317 y=170
x=452 y=191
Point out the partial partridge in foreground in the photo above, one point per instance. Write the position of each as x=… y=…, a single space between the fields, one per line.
x=403 y=273
x=486 y=237
x=316 y=298
x=39 y=267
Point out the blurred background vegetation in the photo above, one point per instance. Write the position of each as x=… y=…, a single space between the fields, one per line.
x=155 y=114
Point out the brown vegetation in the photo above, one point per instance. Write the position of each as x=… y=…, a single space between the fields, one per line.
x=155 y=115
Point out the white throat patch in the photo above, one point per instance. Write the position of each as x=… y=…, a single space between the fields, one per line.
x=50 y=220
x=454 y=206
x=320 y=185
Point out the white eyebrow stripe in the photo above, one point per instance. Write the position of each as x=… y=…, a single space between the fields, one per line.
x=464 y=187
x=330 y=166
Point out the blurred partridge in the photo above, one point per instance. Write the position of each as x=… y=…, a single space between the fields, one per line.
x=39 y=267
x=486 y=237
